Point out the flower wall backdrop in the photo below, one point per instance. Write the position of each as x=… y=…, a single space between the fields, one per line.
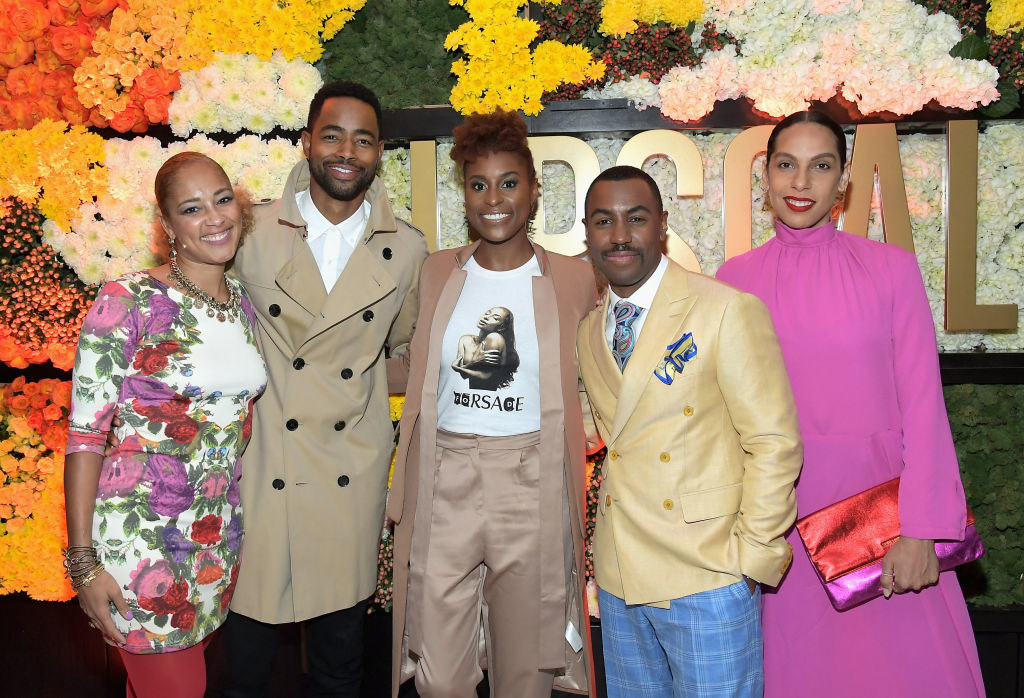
x=77 y=209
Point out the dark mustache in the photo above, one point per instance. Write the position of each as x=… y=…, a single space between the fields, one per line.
x=621 y=248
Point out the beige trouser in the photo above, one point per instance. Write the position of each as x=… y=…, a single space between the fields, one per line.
x=483 y=546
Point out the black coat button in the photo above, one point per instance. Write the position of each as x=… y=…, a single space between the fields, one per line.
x=298 y=364
x=386 y=252
x=274 y=310
x=339 y=425
x=346 y=373
x=278 y=484
x=368 y=315
x=343 y=481
x=291 y=424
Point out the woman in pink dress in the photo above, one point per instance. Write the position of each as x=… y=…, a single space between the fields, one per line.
x=859 y=345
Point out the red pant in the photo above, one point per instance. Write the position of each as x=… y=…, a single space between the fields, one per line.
x=180 y=674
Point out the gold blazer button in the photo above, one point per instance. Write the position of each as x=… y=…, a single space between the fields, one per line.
x=668 y=504
x=688 y=411
x=607 y=500
x=665 y=458
x=614 y=455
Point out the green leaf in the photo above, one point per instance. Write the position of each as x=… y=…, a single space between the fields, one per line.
x=131 y=524
x=104 y=366
x=160 y=621
x=971 y=47
x=1009 y=99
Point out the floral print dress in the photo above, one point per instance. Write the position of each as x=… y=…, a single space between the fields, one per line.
x=168 y=521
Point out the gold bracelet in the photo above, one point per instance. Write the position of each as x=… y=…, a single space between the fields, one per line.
x=86 y=578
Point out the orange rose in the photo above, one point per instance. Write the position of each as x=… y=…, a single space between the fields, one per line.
x=28 y=19
x=18 y=384
x=39 y=401
x=6 y=511
x=70 y=44
x=61 y=394
x=15 y=525
x=31 y=388
x=97 y=120
x=63 y=355
x=35 y=420
x=14 y=50
x=59 y=83
x=131 y=118
x=52 y=412
x=45 y=108
x=55 y=437
x=98 y=8
x=18 y=405
x=155 y=82
x=24 y=81
x=62 y=11
x=156 y=109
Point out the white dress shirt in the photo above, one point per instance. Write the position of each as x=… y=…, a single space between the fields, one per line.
x=332 y=245
x=643 y=297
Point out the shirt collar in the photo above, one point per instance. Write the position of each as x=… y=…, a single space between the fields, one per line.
x=643 y=297
x=317 y=225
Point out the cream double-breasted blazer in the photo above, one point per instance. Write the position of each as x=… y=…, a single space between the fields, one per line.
x=314 y=478
x=698 y=481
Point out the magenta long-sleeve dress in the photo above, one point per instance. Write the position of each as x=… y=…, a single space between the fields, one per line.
x=859 y=345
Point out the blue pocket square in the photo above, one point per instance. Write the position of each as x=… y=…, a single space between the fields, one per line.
x=676 y=354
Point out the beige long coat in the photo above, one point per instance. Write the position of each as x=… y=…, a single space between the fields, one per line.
x=314 y=477
x=561 y=297
x=698 y=483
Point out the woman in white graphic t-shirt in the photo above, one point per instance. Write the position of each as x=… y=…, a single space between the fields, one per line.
x=489 y=487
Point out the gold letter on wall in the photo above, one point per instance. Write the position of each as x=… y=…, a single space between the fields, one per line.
x=962 y=309
x=736 y=215
x=875 y=146
x=689 y=165
x=583 y=161
x=423 y=169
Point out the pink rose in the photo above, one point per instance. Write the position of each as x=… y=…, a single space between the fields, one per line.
x=136 y=642
x=151 y=580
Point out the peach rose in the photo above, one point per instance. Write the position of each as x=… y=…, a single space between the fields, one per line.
x=14 y=50
x=24 y=81
x=131 y=118
x=70 y=44
x=156 y=109
x=155 y=82
x=62 y=11
x=98 y=8
x=28 y=19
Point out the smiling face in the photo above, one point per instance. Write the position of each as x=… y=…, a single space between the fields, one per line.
x=200 y=211
x=343 y=149
x=626 y=231
x=499 y=198
x=804 y=175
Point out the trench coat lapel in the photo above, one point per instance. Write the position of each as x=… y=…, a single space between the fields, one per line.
x=299 y=277
x=662 y=326
x=363 y=282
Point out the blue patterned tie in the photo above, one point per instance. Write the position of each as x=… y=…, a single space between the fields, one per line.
x=624 y=338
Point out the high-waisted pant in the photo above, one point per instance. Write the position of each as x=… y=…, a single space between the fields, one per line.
x=482 y=547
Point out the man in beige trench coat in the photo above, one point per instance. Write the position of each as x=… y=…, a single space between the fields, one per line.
x=333 y=278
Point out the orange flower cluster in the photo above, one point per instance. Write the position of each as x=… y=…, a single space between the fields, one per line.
x=136 y=63
x=33 y=433
x=41 y=44
x=42 y=302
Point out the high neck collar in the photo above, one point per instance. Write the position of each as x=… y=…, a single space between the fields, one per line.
x=805 y=237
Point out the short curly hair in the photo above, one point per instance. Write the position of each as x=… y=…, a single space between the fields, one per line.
x=499 y=132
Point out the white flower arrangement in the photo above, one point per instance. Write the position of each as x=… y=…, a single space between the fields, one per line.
x=119 y=232
x=241 y=92
x=882 y=55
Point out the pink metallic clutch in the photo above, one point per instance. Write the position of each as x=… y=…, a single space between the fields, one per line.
x=846 y=542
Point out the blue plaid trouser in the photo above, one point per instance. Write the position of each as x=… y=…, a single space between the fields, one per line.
x=706 y=645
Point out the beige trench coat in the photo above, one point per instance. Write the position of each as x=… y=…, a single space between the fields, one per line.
x=314 y=477
x=566 y=285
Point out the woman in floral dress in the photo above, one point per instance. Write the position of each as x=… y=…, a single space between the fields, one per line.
x=155 y=527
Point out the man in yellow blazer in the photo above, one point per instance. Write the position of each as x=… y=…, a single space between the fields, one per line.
x=333 y=278
x=688 y=390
